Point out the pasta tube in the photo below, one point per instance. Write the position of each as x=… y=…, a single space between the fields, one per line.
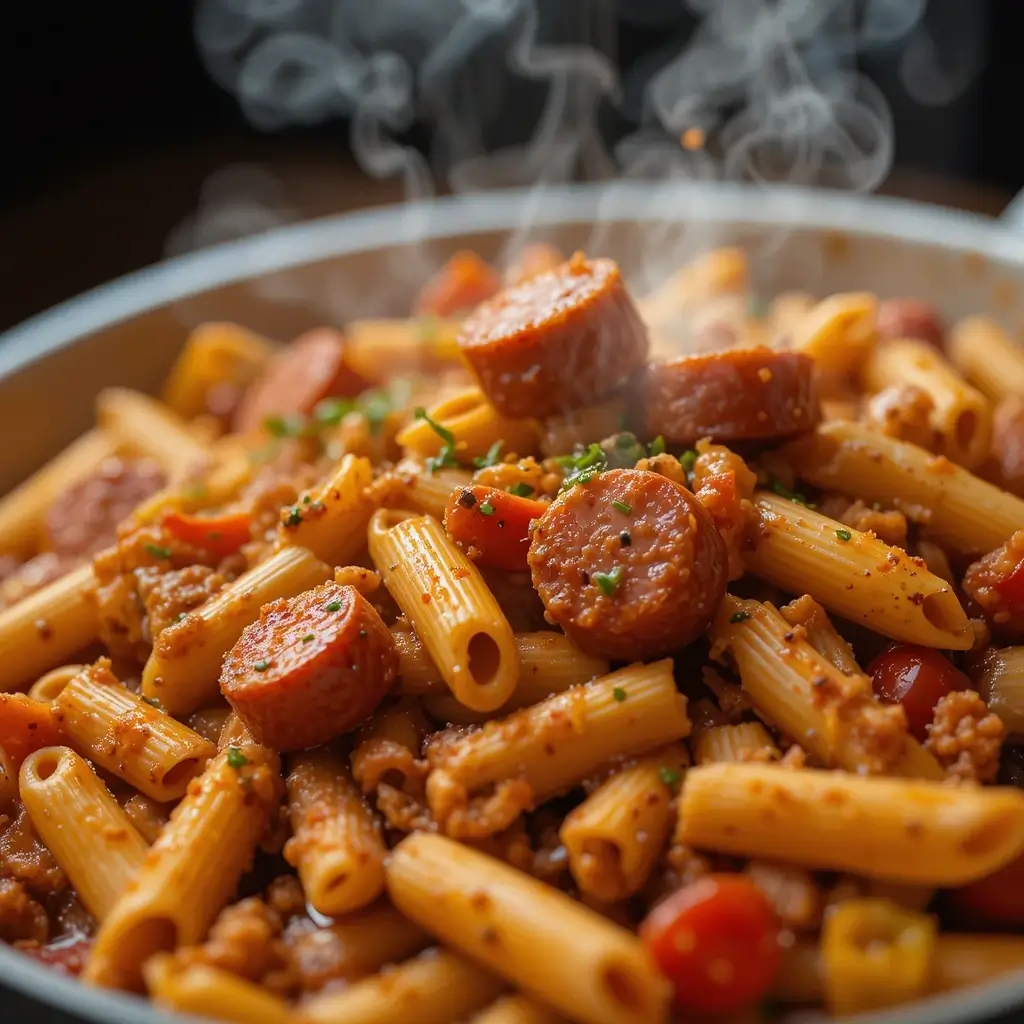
x=614 y=838
x=81 y=824
x=956 y=509
x=517 y=1010
x=820 y=633
x=119 y=731
x=854 y=575
x=46 y=628
x=436 y=987
x=898 y=830
x=1000 y=679
x=183 y=670
x=192 y=869
x=47 y=688
x=543 y=941
x=987 y=356
x=550 y=747
x=442 y=593
x=839 y=332
x=429 y=492
x=23 y=510
x=747 y=741
x=336 y=844
x=380 y=348
x=961 y=416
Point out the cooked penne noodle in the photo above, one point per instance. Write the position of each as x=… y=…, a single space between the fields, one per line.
x=135 y=420
x=820 y=633
x=396 y=731
x=785 y=312
x=1000 y=680
x=987 y=356
x=192 y=869
x=855 y=575
x=336 y=844
x=614 y=838
x=183 y=670
x=476 y=426
x=429 y=492
x=209 y=722
x=955 y=508
x=47 y=688
x=592 y=970
x=838 y=333
x=443 y=595
x=146 y=815
x=81 y=824
x=720 y=272
x=207 y=991
x=118 y=730
x=900 y=830
x=23 y=510
x=550 y=747
x=437 y=987
x=46 y=628
x=332 y=525
x=746 y=741
x=517 y=1010
x=830 y=714
x=381 y=349
x=217 y=354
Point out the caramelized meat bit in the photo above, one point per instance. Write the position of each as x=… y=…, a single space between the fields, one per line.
x=966 y=737
x=996 y=583
x=889 y=526
x=21 y=917
x=911 y=318
x=173 y=595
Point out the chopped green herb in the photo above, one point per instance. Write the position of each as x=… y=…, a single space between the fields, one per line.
x=670 y=777
x=307 y=499
x=844 y=534
x=657 y=446
x=521 y=490
x=331 y=411
x=491 y=458
x=291 y=425
x=333 y=606
x=309 y=638
x=619 y=694
x=584 y=466
x=688 y=460
x=784 y=492
x=609 y=581
x=446 y=456
x=236 y=758
x=622 y=507
x=739 y=616
x=624 y=451
x=294 y=516
x=180 y=616
x=486 y=508
x=154 y=703
x=261 y=666
x=158 y=552
x=376 y=406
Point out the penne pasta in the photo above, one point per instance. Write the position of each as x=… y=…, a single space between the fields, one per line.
x=987 y=356
x=90 y=837
x=183 y=670
x=47 y=688
x=899 y=830
x=429 y=492
x=517 y=1010
x=119 y=731
x=380 y=349
x=854 y=575
x=838 y=333
x=999 y=676
x=451 y=610
x=146 y=815
x=821 y=634
x=746 y=741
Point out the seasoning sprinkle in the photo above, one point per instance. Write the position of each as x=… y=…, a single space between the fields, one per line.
x=619 y=694
x=609 y=581
x=261 y=666
x=784 y=492
x=467 y=499
x=491 y=458
x=363 y=634
x=521 y=490
x=180 y=616
x=624 y=507
x=844 y=534
x=626 y=538
x=739 y=616
x=670 y=777
x=333 y=606
x=309 y=638
x=158 y=552
x=236 y=759
x=486 y=509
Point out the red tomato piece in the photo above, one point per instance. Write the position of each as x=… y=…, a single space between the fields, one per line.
x=917 y=678
x=221 y=535
x=717 y=941
x=1011 y=589
x=492 y=525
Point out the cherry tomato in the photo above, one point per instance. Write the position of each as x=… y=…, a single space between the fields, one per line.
x=494 y=523
x=221 y=535
x=916 y=677
x=1011 y=589
x=995 y=900
x=717 y=941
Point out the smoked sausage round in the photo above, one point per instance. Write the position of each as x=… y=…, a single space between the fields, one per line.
x=558 y=341
x=911 y=318
x=630 y=565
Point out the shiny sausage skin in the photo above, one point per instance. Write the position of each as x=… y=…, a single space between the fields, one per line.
x=744 y=394
x=558 y=341
x=911 y=318
x=669 y=561
x=310 y=668
x=84 y=517
x=310 y=369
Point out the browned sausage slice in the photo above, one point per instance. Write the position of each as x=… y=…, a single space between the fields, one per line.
x=629 y=565
x=84 y=517
x=744 y=394
x=310 y=668
x=911 y=318
x=310 y=369
x=558 y=341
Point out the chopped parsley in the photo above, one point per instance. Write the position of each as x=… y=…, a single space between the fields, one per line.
x=688 y=460
x=294 y=516
x=739 y=616
x=584 y=467
x=486 y=508
x=261 y=666
x=307 y=499
x=625 y=451
x=609 y=581
x=784 y=492
x=622 y=507
x=331 y=411
x=521 y=490
x=289 y=425
x=309 y=638
x=657 y=446
x=158 y=552
x=619 y=694
x=236 y=758
x=445 y=458
x=670 y=777
x=333 y=606
x=180 y=616
x=491 y=458
x=376 y=406
x=154 y=703
x=844 y=535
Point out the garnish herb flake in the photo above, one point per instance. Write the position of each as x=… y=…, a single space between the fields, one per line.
x=657 y=446
x=739 y=617
x=333 y=606
x=154 y=703
x=486 y=508
x=492 y=458
x=236 y=759
x=619 y=694
x=521 y=490
x=261 y=666
x=609 y=581
x=844 y=535
x=445 y=458
x=688 y=460
x=622 y=507
x=158 y=552
x=670 y=777
x=784 y=492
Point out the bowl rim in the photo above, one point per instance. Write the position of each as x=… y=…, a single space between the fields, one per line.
x=311 y=241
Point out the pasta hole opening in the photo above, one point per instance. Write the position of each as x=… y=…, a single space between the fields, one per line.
x=45 y=764
x=620 y=984
x=966 y=425
x=142 y=940
x=943 y=611
x=337 y=882
x=484 y=658
x=181 y=772
x=991 y=835
x=602 y=863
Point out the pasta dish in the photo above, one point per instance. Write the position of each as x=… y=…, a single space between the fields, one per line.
x=503 y=664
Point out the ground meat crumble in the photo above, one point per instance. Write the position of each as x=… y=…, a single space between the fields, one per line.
x=966 y=737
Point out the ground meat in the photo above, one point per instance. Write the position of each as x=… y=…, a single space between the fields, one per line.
x=28 y=577
x=903 y=412
x=995 y=584
x=664 y=465
x=724 y=484
x=887 y=525
x=526 y=472
x=25 y=859
x=966 y=737
x=21 y=918
x=170 y=596
x=285 y=897
x=120 y=612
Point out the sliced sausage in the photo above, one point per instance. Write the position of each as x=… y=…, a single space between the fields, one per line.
x=310 y=668
x=745 y=394
x=629 y=565
x=911 y=318
x=313 y=367
x=559 y=341
x=84 y=517
x=463 y=282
